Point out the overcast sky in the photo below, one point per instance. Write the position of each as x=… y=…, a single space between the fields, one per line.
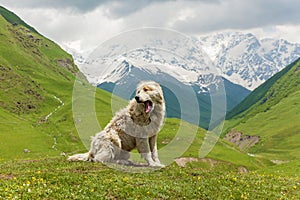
x=84 y=24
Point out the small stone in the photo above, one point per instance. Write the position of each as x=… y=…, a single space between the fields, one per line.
x=26 y=150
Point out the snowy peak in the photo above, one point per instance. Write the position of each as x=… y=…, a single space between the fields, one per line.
x=246 y=60
x=127 y=66
x=122 y=70
x=240 y=58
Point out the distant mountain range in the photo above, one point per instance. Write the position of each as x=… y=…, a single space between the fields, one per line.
x=241 y=58
x=236 y=61
x=246 y=60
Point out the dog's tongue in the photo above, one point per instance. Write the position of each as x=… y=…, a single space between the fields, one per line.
x=148 y=106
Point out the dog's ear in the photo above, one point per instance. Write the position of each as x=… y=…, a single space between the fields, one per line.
x=159 y=97
x=159 y=94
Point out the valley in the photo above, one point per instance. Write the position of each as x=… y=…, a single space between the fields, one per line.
x=45 y=102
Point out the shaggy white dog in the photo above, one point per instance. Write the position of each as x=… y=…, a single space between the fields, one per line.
x=136 y=126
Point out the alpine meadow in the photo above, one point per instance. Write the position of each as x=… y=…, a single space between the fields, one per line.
x=38 y=131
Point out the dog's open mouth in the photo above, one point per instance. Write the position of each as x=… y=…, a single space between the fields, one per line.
x=148 y=106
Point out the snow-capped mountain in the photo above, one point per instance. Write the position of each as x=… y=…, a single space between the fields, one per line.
x=246 y=60
x=179 y=58
x=225 y=64
x=240 y=58
x=182 y=98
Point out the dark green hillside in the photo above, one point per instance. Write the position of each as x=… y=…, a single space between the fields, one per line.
x=273 y=113
x=14 y=19
x=260 y=96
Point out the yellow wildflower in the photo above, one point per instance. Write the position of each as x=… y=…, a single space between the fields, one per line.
x=294 y=187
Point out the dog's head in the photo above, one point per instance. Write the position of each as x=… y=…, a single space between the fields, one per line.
x=149 y=94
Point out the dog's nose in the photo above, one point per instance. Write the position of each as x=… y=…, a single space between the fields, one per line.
x=137 y=98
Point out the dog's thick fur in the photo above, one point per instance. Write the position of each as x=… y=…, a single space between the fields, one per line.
x=136 y=126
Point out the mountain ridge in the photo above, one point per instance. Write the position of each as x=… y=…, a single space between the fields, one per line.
x=126 y=74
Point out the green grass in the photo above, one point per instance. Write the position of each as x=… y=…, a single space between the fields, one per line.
x=59 y=179
x=17 y=134
x=279 y=129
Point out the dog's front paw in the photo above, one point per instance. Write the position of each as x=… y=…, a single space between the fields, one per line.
x=156 y=164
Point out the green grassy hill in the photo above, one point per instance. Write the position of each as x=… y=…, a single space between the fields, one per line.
x=272 y=112
x=36 y=77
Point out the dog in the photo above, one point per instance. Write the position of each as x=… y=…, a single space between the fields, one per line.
x=135 y=126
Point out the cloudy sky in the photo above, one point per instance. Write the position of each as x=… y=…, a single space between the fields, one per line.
x=84 y=24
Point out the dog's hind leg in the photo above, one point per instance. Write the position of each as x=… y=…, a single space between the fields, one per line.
x=123 y=158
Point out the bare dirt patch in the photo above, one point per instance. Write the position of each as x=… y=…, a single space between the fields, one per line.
x=6 y=176
x=242 y=141
x=184 y=160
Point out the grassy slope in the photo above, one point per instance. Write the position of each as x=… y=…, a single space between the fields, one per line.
x=275 y=116
x=33 y=70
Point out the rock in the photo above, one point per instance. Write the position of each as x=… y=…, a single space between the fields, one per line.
x=26 y=150
x=183 y=161
x=243 y=170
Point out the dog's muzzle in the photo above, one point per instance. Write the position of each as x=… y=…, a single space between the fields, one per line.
x=148 y=104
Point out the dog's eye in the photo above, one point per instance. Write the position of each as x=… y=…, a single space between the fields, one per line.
x=145 y=89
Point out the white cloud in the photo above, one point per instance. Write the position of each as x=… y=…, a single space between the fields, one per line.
x=86 y=30
x=86 y=25
x=289 y=32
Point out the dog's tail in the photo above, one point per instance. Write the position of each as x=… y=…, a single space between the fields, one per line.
x=80 y=157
